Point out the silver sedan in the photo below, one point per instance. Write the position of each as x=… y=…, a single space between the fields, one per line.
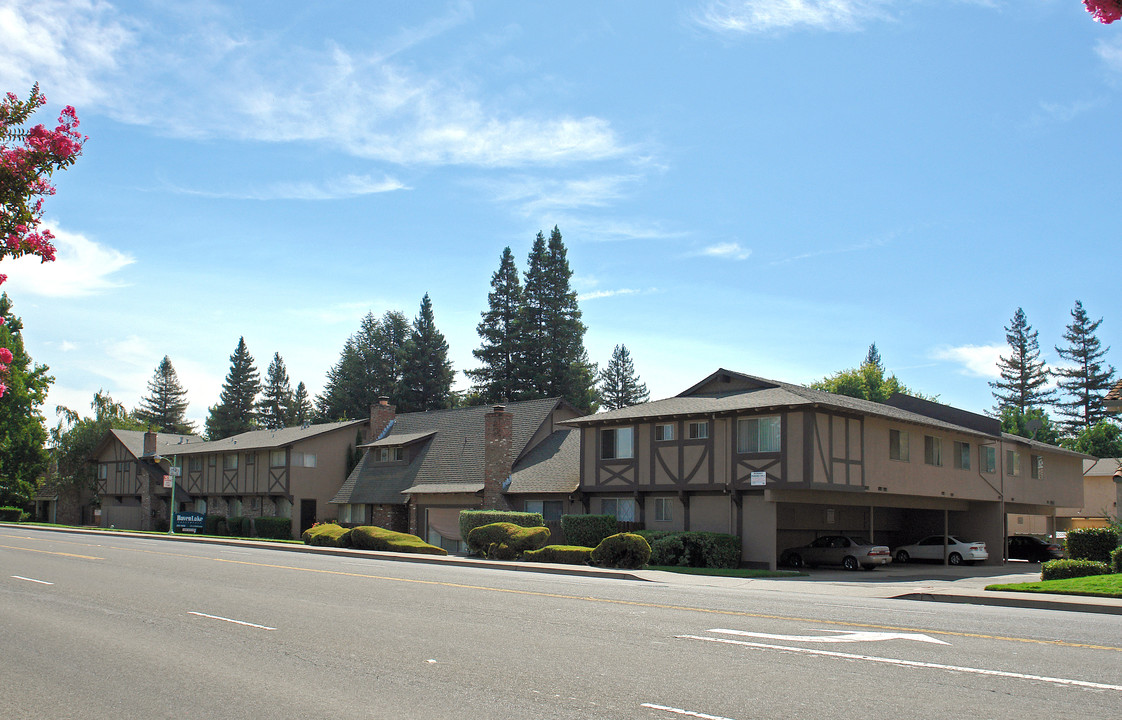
x=846 y=550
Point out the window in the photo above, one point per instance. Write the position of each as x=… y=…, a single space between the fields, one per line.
x=898 y=445
x=200 y=506
x=758 y=435
x=699 y=430
x=235 y=507
x=230 y=461
x=195 y=464
x=284 y=507
x=664 y=509
x=623 y=509
x=664 y=432
x=550 y=509
x=617 y=443
x=932 y=450
x=962 y=455
x=102 y=471
x=392 y=453
x=277 y=458
x=1012 y=462
x=212 y=460
x=357 y=514
x=309 y=460
x=989 y=459
x=1036 y=467
x=250 y=458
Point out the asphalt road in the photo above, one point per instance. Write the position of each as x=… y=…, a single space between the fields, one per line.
x=103 y=626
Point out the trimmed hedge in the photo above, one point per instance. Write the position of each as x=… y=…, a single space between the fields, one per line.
x=1116 y=560
x=274 y=528
x=1092 y=544
x=506 y=541
x=11 y=514
x=215 y=525
x=239 y=526
x=1063 y=569
x=563 y=554
x=471 y=519
x=693 y=549
x=327 y=535
x=588 y=530
x=622 y=550
x=369 y=537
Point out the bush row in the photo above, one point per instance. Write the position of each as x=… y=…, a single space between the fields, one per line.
x=1063 y=569
x=368 y=537
x=12 y=514
x=588 y=530
x=471 y=519
x=273 y=528
x=1092 y=544
x=693 y=549
x=1116 y=560
x=505 y=540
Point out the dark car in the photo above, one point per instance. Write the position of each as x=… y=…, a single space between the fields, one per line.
x=1033 y=549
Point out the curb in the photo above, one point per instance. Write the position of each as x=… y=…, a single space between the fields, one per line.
x=1038 y=603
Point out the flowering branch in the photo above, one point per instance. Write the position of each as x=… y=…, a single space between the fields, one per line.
x=1104 y=11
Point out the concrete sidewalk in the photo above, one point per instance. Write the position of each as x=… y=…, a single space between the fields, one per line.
x=914 y=581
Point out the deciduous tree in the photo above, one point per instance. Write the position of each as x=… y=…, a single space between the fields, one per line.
x=23 y=434
x=74 y=439
x=867 y=381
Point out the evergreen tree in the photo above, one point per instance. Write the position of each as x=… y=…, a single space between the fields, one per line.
x=619 y=385
x=302 y=410
x=532 y=370
x=165 y=407
x=1087 y=382
x=427 y=372
x=276 y=406
x=370 y=366
x=23 y=435
x=234 y=412
x=497 y=379
x=867 y=382
x=1024 y=376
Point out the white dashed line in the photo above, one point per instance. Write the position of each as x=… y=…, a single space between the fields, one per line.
x=41 y=582
x=236 y=622
x=687 y=713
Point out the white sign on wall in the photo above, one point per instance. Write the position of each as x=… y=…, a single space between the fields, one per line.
x=759 y=478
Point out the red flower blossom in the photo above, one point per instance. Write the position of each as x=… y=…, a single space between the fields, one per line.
x=1104 y=11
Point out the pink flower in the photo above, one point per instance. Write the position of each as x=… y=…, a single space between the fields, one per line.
x=5 y=356
x=1104 y=11
x=3 y=389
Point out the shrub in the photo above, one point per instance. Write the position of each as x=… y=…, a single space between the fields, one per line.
x=215 y=525
x=11 y=514
x=368 y=537
x=1062 y=569
x=471 y=519
x=515 y=538
x=1092 y=544
x=240 y=526
x=1116 y=560
x=588 y=530
x=564 y=554
x=693 y=549
x=623 y=550
x=327 y=535
x=274 y=528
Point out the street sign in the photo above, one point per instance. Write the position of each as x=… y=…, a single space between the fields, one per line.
x=759 y=478
x=176 y=471
x=189 y=521
x=167 y=481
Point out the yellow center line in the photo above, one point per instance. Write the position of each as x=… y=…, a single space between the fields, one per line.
x=629 y=603
x=48 y=552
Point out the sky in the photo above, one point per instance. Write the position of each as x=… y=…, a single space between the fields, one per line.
x=767 y=186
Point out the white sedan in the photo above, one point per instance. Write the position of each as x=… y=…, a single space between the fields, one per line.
x=931 y=548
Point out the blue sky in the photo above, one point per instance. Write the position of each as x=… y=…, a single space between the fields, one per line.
x=767 y=186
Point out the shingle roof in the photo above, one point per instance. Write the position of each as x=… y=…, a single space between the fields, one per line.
x=166 y=443
x=1113 y=398
x=265 y=439
x=552 y=466
x=396 y=439
x=1102 y=466
x=452 y=457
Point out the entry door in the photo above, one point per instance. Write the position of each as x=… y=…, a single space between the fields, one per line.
x=307 y=514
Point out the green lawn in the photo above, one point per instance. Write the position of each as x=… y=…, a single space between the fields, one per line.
x=1095 y=585
x=728 y=572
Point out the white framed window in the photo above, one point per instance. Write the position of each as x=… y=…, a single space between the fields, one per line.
x=932 y=450
x=759 y=434
x=357 y=514
x=664 y=509
x=623 y=509
x=1036 y=467
x=664 y=432
x=989 y=459
x=1012 y=462
x=962 y=455
x=898 y=445
x=230 y=461
x=699 y=430
x=309 y=460
x=617 y=443
x=277 y=458
x=195 y=464
x=388 y=454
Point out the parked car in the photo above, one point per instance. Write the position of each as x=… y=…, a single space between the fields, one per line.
x=846 y=550
x=1033 y=549
x=931 y=548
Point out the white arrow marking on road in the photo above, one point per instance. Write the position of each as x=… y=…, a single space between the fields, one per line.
x=843 y=636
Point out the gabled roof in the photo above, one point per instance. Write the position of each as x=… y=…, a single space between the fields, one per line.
x=133 y=441
x=552 y=466
x=1102 y=466
x=1113 y=399
x=264 y=439
x=452 y=456
x=397 y=439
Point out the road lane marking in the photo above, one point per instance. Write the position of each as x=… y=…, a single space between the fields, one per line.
x=49 y=552
x=631 y=603
x=687 y=713
x=909 y=663
x=41 y=582
x=229 y=620
x=844 y=637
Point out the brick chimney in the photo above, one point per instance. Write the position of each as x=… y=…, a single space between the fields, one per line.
x=149 y=444
x=497 y=457
x=381 y=415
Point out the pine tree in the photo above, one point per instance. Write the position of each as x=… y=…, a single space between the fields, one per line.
x=234 y=412
x=619 y=385
x=370 y=366
x=427 y=372
x=1087 y=382
x=500 y=336
x=165 y=407
x=23 y=435
x=532 y=371
x=1024 y=376
x=276 y=406
x=302 y=410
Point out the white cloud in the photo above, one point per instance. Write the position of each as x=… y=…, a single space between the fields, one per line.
x=348 y=186
x=976 y=360
x=1052 y=113
x=598 y=294
x=856 y=247
x=1110 y=52
x=760 y=16
x=537 y=195
x=728 y=250
x=595 y=230
x=82 y=267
